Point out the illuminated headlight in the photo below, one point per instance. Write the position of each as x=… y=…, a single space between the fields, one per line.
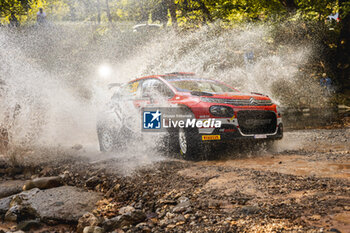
x=221 y=111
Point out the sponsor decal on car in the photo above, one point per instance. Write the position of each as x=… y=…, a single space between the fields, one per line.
x=211 y=137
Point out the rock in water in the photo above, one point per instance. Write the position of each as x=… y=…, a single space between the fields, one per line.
x=43 y=183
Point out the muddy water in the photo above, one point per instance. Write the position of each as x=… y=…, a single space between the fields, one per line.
x=291 y=164
x=298 y=160
x=321 y=153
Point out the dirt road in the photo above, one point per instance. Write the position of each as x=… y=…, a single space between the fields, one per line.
x=303 y=184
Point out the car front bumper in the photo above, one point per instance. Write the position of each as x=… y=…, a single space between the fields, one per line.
x=233 y=132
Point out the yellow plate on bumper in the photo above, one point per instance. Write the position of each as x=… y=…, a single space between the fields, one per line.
x=211 y=137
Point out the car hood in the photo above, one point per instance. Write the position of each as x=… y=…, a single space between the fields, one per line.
x=238 y=95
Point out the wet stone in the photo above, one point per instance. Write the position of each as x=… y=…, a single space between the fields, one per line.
x=182 y=206
x=4 y=205
x=8 y=188
x=29 y=225
x=93 y=229
x=43 y=183
x=88 y=219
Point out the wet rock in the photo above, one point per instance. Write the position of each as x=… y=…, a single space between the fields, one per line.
x=129 y=218
x=114 y=189
x=12 y=214
x=65 y=175
x=9 y=188
x=43 y=183
x=183 y=199
x=12 y=171
x=126 y=210
x=334 y=230
x=92 y=182
x=4 y=205
x=88 y=219
x=182 y=206
x=63 y=204
x=143 y=227
x=20 y=209
x=249 y=210
x=29 y=225
x=93 y=229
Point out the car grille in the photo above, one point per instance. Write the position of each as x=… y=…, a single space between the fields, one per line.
x=257 y=122
x=239 y=102
x=248 y=102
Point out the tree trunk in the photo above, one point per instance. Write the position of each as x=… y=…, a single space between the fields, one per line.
x=108 y=12
x=172 y=10
x=205 y=11
x=98 y=11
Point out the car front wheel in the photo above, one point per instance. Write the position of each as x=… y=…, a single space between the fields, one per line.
x=191 y=148
x=106 y=139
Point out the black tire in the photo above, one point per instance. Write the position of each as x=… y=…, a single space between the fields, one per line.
x=170 y=144
x=106 y=139
x=190 y=145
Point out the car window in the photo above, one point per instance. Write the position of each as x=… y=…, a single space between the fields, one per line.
x=200 y=85
x=128 y=91
x=155 y=88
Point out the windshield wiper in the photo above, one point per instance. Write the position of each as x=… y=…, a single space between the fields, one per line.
x=201 y=93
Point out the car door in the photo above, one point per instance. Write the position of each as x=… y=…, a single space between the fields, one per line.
x=125 y=105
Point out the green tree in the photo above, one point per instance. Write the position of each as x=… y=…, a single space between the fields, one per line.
x=11 y=9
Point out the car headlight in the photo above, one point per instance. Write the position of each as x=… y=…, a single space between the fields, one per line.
x=221 y=111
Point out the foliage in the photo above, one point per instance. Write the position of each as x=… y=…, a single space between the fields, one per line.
x=187 y=12
x=18 y=7
x=312 y=15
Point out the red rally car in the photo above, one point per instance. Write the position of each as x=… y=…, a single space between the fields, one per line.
x=242 y=116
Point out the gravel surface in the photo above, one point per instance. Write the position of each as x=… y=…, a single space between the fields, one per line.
x=303 y=184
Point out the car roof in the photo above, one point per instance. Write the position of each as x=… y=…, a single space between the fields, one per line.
x=173 y=75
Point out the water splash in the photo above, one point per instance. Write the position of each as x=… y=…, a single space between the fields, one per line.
x=52 y=73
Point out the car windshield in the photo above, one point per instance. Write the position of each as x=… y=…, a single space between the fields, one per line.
x=198 y=85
